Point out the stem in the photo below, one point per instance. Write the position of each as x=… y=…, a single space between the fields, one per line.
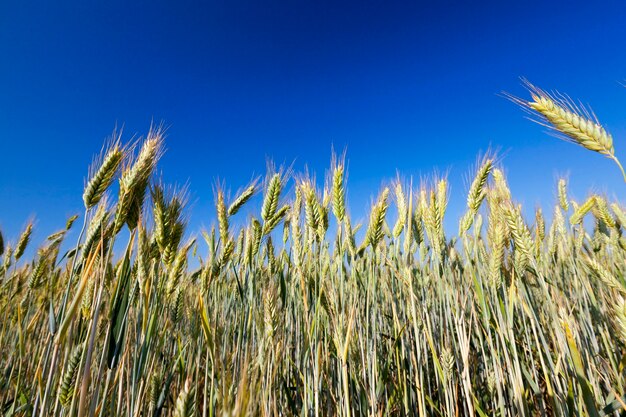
x=82 y=404
x=614 y=158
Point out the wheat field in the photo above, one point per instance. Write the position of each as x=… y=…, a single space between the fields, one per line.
x=296 y=310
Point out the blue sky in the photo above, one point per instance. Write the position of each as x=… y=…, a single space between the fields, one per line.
x=408 y=87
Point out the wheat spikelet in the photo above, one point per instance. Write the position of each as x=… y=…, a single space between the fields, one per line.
x=296 y=209
x=349 y=237
x=134 y=181
x=562 y=189
x=140 y=171
x=257 y=235
x=433 y=214
x=296 y=231
x=103 y=176
x=501 y=186
x=169 y=224
x=267 y=254
x=478 y=224
x=177 y=268
x=240 y=246
x=242 y=199
x=619 y=312
x=272 y=195
x=8 y=256
x=322 y=222
x=540 y=230
x=68 y=380
x=96 y=229
x=23 y=241
x=310 y=205
x=156 y=381
x=70 y=221
x=521 y=235
x=605 y=276
x=402 y=209
x=476 y=193
x=601 y=211
x=177 y=308
x=338 y=189
x=185 y=402
x=559 y=223
x=497 y=254
x=270 y=313
x=222 y=216
x=286 y=227
x=271 y=224
x=247 y=248
x=568 y=119
x=620 y=215
x=226 y=255
x=56 y=238
x=552 y=241
x=174 y=239
x=431 y=220
x=417 y=224
x=159 y=214
x=386 y=229
x=447 y=362
x=39 y=271
x=571 y=122
x=87 y=300
x=374 y=232
x=316 y=215
x=442 y=199
x=581 y=211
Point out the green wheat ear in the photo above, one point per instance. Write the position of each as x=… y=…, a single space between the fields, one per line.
x=374 y=233
x=103 y=172
x=272 y=195
x=23 y=241
x=185 y=401
x=68 y=379
x=570 y=122
x=338 y=189
x=222 y=216
x=242 y=199
x=135 y=179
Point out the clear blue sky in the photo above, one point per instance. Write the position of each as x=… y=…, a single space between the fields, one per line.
x=408 y=87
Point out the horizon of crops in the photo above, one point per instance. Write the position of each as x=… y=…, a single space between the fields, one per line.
x=293 y=312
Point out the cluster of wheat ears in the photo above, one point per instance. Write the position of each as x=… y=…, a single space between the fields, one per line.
x=295 y=312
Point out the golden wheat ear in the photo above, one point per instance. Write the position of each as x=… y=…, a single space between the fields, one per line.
x=568 y=121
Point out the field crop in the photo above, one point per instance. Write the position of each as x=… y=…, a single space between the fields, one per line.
x=296 y=310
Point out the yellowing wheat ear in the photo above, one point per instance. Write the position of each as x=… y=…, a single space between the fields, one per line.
x=570 y=122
